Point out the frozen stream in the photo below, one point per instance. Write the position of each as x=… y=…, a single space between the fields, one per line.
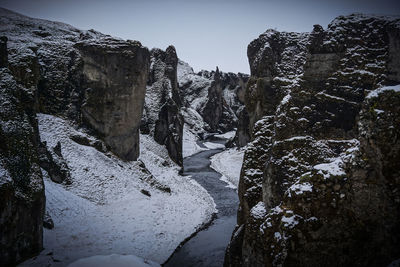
x=207 y=247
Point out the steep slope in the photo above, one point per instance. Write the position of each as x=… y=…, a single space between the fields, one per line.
x=320 y=178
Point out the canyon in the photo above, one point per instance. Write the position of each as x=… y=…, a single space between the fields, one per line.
x=102 y=135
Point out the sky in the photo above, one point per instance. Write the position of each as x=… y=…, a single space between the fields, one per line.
x=205 y=33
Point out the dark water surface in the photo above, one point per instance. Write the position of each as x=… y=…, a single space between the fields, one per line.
x=207 y=247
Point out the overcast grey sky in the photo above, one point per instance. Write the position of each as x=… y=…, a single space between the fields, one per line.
x=206 y=33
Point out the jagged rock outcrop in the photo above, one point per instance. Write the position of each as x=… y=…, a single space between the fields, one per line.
x=319 y=184
x=162 y=117
x=22 y=199
x=213 y=109
x=96 y=80
x=215 y=96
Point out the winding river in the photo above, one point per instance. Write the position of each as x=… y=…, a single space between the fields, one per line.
x=207 y=247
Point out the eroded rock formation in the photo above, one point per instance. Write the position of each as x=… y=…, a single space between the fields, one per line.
x=215 y=96
x=163 y=118
x=320 y=182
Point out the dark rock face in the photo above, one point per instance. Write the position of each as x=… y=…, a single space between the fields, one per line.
x=163 y=118
x=242 y=136
x=169 y=130
x=212 y=111
x=3 y=52
x=22 y=199
x=319 y=184
x=115 y=74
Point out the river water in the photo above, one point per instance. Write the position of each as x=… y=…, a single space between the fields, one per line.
x=207 y=247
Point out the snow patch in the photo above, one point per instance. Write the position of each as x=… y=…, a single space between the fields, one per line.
x=299 y=188
x=258 y=211
x=290 y=221
x=376 y=92
x=190 y=146
x=333 y=168
x=212 y=145
x=229 y=164
x=227 y=135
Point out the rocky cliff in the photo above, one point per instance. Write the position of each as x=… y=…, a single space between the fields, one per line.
x=96 y=81
x=22 y=199
x=320 y=180
x=162 y=114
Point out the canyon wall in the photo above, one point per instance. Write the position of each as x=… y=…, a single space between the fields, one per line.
x=320 y=179
x=162 y=114
x=96 y=81
x=22 y=200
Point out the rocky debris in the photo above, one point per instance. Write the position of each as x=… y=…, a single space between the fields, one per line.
x=145 y=192
x=53 y=163
x=22 y=199
x=86 y=140
x=48 y=221
x=151 y=180
x=319 y=184
x=162 y=117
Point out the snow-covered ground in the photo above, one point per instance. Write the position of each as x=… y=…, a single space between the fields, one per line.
x=229 y=164
x=190 y=146
x=113 y=260
x=227 y=135
x=103 y=211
